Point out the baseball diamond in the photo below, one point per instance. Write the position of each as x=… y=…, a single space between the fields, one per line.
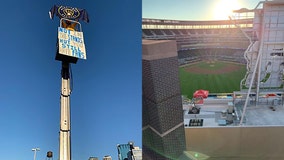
x=215 y=76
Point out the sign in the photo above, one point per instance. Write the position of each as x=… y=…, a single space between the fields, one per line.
x=71 y=43
x=68 y=12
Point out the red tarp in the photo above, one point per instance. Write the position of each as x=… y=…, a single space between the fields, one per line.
x=271 y=95
x=201 y=93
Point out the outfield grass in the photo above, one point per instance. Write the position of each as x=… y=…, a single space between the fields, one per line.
x=210 y=66
x=215 y=83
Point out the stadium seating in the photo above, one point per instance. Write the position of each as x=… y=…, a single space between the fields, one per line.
x=212 y=41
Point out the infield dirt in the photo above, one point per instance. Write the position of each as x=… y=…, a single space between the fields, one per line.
x=226 y=67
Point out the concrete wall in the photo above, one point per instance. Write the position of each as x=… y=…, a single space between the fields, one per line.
x=237 y=142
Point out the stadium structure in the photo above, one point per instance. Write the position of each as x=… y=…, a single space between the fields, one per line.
x=244 y=124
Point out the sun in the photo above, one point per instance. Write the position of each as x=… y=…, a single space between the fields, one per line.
x=223 y=9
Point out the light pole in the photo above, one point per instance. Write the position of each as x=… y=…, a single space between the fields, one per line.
x=70 y=46
x=35 y=149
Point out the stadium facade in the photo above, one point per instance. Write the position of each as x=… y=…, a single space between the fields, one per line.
x=248 y=123
x=163 y=130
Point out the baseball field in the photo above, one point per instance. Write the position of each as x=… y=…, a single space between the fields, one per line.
x=215 y=76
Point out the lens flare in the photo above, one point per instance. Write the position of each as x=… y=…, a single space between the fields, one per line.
x=224 y=8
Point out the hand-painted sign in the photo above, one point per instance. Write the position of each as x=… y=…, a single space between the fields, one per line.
x=71 y=43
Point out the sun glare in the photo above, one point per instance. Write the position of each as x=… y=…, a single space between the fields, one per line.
x=223 y=9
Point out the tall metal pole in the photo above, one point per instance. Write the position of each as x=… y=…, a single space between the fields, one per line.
x=69 y=20
x=71 y=36
x=35 y=149
x=64 y=137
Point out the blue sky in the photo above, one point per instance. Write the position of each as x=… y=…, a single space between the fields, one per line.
x=106 y=98
x=192 y=9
